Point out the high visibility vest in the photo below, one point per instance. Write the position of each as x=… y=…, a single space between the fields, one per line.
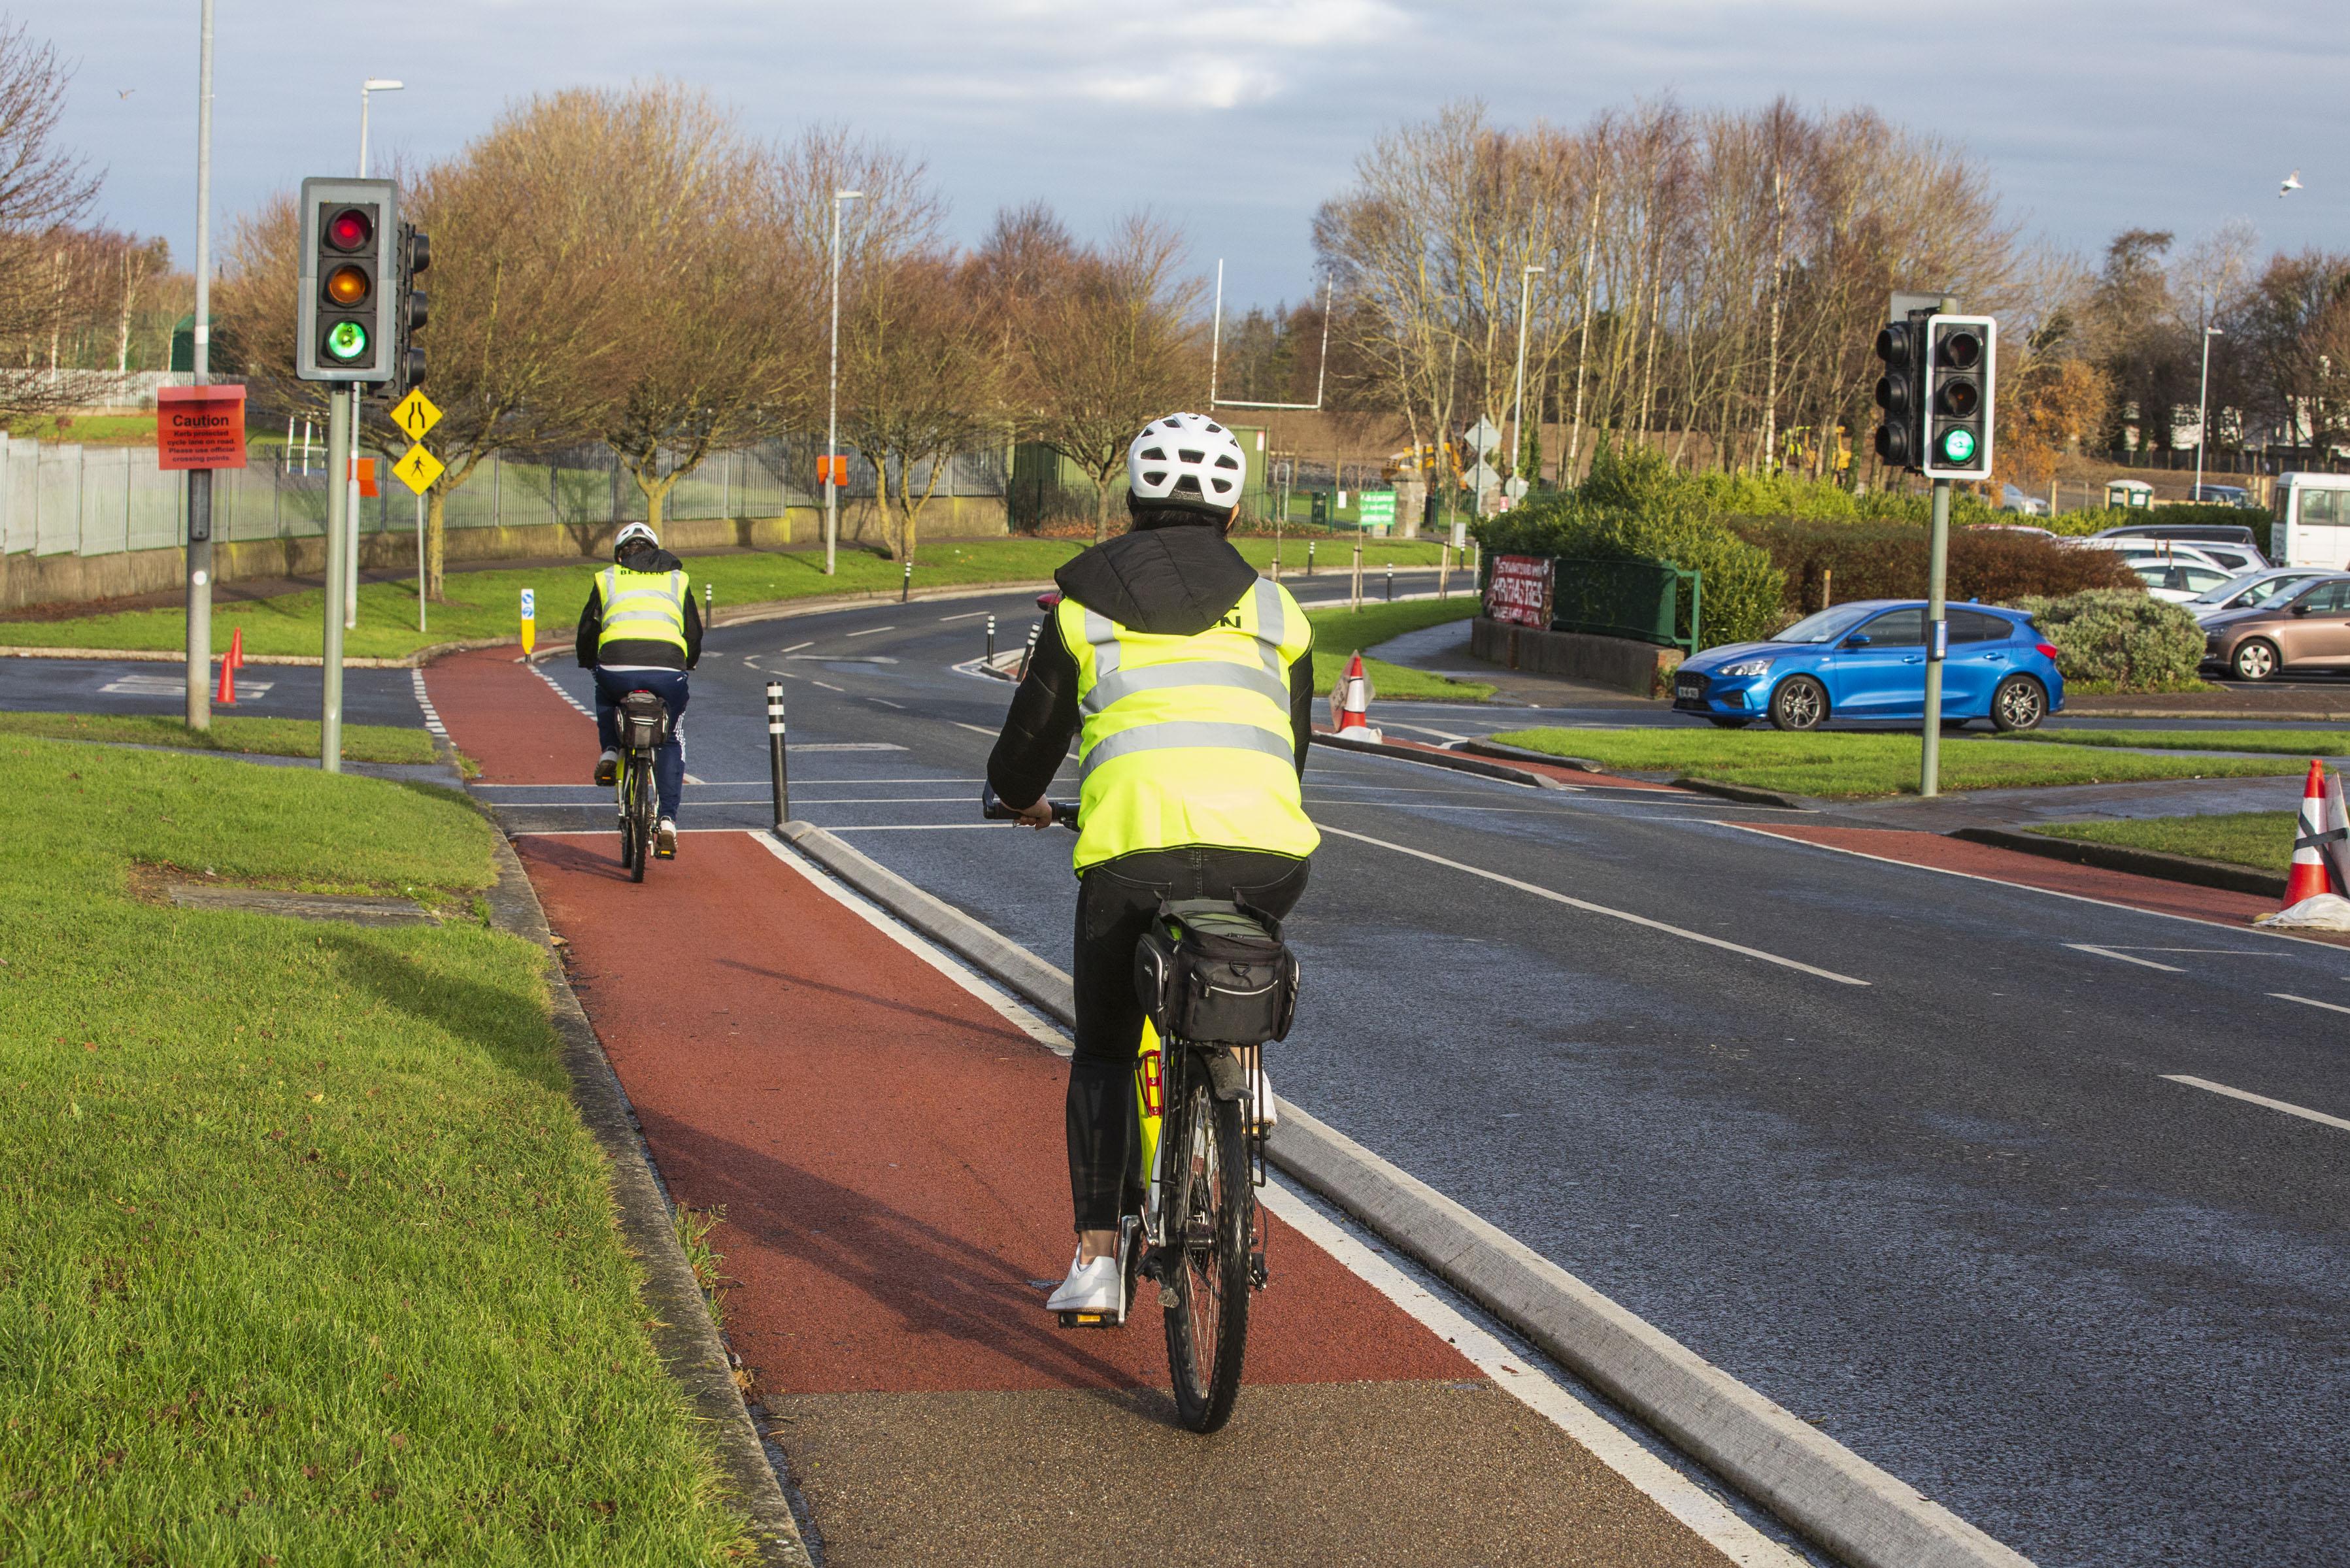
x=643 y=606
x=1186 y=740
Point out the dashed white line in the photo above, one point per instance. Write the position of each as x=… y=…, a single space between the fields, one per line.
x=967 y=615
x=872 y=631
x=424 y=701
x=887 y=703
x=553 y=686
x=2286 y=1106
x=2108 y=952
x=826 y=684
x=795 y=647
x=2309 y=1001
x=1591 y=908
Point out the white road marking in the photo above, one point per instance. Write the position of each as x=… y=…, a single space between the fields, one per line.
x=2289 y=1109
x=974 y=728
x=1591 y=908
x=828 y=686
x=1765 y=833
x=175 y=686
x=691 y=780
x=553 y=686
x=915 y=826
x=887 y=703
x=1674 y=1492
x=1424 y=730
x=424 y=701
x=2108 y=952
x=967 y=615
x=795 y=647
x=872 y=631
x=2309 y=1001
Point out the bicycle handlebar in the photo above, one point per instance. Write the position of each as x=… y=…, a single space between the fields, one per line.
x=991 y=807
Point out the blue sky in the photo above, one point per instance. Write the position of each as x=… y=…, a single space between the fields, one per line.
x=1236 y=118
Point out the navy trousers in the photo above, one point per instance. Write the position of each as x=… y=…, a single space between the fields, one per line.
x=670 y=686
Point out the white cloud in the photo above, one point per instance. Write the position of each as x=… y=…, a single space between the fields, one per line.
x=1219 y=57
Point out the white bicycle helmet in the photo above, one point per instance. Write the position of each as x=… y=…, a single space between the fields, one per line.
x=1186 y=462
x=635 y=534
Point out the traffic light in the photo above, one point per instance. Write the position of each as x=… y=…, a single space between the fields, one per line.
x=415 y=255
x=1959 y=353
x=346 y=321
x=1901 y=391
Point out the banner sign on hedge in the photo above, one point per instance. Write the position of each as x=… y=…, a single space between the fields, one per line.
x=1519 y=591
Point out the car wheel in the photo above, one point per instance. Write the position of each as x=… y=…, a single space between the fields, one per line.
x=1720 y=723
x=1799 y=703
x=2255 y=659
x=2020 y=703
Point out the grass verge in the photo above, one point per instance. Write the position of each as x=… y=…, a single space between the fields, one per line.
x=305 y=1257
x=2263 y=839
x=1338 y=633
x=258 y=737
x=2283 y=743
x=1845 y=767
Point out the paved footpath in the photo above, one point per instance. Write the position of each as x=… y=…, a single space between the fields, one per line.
x=886 y=1144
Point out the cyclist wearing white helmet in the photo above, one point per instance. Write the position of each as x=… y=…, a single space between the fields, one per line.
x=639 y=631
x=1188 y=681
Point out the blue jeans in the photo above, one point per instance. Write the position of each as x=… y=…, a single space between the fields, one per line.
x=668 y=685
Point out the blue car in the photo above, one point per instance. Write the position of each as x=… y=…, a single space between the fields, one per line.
x=1867 y=660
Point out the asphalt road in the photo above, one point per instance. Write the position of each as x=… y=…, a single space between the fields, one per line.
x=262 y=691
x=1955 y=1214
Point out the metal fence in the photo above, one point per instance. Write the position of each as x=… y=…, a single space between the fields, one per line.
x=62 y=497
x=1640 y=599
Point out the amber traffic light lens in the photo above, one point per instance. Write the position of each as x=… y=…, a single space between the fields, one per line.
x=1961 y=399
x=347 y=285
x=348 y=229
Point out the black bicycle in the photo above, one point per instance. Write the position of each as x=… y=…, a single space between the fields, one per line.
x=644 y=725
x=1216 y=983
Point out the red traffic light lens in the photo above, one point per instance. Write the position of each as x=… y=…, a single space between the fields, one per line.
x=1961 y=350
x=347 y=284
x=349 y=229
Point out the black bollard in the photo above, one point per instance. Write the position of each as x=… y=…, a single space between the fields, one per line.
x=990 y=659
x=906 y=591
x=1391 y=584
x=776 y=766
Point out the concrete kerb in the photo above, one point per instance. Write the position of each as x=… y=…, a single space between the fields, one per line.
x=1434 y=758
x=422 y=656
x=682 y=1331
x=1863 y=1515
x=2122 y=857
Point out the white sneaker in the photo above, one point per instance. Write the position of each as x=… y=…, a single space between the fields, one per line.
x=1097 y=1286
x=665 y=840
x=607 y=768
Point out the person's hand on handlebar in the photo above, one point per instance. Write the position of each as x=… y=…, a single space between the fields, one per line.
x=1037 y=814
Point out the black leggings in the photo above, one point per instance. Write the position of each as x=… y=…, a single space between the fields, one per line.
x=1115 y=900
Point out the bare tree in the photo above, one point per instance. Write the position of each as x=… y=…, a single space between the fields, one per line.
x=1108 y=339
x=44 y=190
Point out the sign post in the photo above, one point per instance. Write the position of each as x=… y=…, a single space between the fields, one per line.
x=530 y=621
x=417 y=469
x=199 y=429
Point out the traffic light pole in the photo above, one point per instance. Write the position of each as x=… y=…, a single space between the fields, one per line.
x=1938 y=641
x=330 y=700
x=200 y=480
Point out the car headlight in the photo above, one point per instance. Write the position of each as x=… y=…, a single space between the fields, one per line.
x=1750 y=667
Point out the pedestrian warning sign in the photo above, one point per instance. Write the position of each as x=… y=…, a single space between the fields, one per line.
x=418 y=468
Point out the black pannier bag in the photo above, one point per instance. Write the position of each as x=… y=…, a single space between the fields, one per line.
x=1212 y=971
x=644 y=721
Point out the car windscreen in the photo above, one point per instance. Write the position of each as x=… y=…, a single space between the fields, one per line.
x=1827 y=625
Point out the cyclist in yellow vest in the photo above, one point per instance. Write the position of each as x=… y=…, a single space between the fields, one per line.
x=639 y=631
x=1188 y=681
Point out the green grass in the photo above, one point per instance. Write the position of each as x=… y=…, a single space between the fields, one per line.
x=93 y=429
x=305 y=1257
x=263 y=737
x=2284 y=743
x=2257 y=838
x=1339 y=633
x=1842 y=765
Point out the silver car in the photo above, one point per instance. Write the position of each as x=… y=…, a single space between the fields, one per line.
x=2250 y=591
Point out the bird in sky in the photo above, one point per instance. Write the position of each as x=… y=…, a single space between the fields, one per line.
x=124 y=92
x=2291 y=183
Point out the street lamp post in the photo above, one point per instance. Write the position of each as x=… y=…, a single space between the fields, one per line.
x=1518 y=385
x=200 y=480
x=351 y=475
x=2203 y=409
x=832 y=417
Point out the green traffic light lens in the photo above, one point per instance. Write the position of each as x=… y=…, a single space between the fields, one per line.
x=1958 y=445
x=346 y=340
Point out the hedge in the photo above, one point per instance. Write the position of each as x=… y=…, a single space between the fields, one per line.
x=1888 y=561
x=2130 y=642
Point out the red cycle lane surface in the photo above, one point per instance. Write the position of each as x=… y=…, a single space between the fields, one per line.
x=888 y=1152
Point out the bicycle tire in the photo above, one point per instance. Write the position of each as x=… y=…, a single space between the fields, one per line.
x=623 y=792
x=640 y=819
x=1210 y=1215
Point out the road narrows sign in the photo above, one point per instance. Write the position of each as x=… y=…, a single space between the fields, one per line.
x=415 y=415
x=418 y=468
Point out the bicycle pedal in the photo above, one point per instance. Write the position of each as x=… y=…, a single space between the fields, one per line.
x=1089 y=1319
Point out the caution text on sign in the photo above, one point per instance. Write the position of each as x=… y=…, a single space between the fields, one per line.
x=418 y=468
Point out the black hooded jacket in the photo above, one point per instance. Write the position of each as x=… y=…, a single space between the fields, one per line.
x=1178 y=581
x=635 y=654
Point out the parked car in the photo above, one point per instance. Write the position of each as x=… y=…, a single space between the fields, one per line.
x=2160 y=553
x=2229 y=544
x=2305 y=628
x=2012 y=499
x=2026 y=529
x=2248 y=591
x=2221 y=495
x=1867 y=661
x=2178 y=581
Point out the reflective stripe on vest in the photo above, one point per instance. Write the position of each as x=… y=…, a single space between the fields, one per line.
x=643 y=606
x=1187 y=739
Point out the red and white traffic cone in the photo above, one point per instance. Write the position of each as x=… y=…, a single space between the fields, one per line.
x=2307 y=877
x=1354 y=702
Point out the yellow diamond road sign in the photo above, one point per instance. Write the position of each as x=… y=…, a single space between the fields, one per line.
x=417 y=469
x=415 y=414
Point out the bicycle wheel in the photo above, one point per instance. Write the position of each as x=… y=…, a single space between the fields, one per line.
x=1210 y=1211
x=640 y=818
x=624 y=795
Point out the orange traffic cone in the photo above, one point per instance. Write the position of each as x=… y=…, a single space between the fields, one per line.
x=237 y=647
x=1354 y=702
x=2307 y=877
x=226 y=695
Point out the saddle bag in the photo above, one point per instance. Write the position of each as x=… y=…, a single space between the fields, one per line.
x=1210 y=971
x=644 y=721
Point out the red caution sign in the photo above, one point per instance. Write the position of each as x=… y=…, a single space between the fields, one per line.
x=198 y=427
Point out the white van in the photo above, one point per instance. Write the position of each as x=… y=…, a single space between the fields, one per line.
x=2313 y=521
